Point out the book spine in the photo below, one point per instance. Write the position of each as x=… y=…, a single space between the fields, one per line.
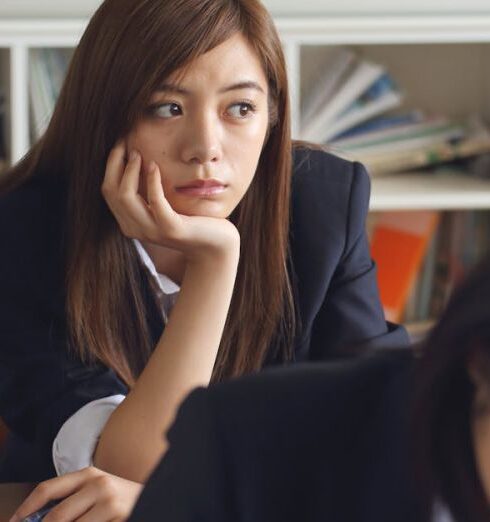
x=341 y=60
x=393 y=133
x=431 y=155
x=363 y=76
x=37 y=110
x=417 y=141
x=399 y=242
x=383 y=123
x=42 y=95
x=387 y=102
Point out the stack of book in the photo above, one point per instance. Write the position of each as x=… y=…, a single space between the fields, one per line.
x=346 y=109
x=47 y=72
x=413 y=141
x=349 y=91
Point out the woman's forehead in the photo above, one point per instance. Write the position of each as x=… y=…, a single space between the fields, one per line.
x=231 y=63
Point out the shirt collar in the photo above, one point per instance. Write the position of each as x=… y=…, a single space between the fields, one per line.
x=166 y=285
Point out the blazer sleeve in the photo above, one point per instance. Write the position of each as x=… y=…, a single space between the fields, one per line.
x=351 y=315
x=42 y=383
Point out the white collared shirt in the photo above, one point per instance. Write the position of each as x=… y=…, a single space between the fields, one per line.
x=440 y=513
x=75 y=443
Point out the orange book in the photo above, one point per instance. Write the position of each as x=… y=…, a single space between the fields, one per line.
x=398 y=245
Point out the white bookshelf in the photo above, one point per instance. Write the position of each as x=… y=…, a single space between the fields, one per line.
x=18 y=37
x=425 y=191
x=442 y=62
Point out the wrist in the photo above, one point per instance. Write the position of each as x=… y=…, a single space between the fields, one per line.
x=218 y=260
x=226 y=251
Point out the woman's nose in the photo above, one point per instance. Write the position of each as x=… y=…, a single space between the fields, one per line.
x=202 y=142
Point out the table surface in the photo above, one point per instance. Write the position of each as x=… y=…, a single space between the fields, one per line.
x=11 y=496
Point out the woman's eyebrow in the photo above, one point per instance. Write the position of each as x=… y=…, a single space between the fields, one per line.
x=243 y=85
x=169 y=87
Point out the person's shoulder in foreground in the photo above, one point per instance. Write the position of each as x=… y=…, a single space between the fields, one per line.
x=315 y=442
x=335 y=281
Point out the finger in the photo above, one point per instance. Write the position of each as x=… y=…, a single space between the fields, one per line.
x=74 y=506
x=114 y=499
x=114 y=168
x=134 y=217
x=158 y=203
x=52 y=489
x=130 y=179
x=127 y=205
x=102 y=512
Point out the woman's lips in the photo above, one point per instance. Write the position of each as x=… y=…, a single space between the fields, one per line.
x=202 y=188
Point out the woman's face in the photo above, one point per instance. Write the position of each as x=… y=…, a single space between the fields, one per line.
x=207 y=130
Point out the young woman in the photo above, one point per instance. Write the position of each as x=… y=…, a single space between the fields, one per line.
x=165 y=233
x=393 y=435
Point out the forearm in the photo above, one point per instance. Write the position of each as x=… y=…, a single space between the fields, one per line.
x=133 y=440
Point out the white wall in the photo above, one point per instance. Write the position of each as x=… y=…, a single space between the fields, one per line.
x=375 y=6
x=83 y=8
x=47 y=8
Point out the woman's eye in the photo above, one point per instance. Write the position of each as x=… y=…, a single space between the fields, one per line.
x=241 y=110
x=167 y=110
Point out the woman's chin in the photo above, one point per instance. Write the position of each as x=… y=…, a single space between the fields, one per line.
x=204 y=208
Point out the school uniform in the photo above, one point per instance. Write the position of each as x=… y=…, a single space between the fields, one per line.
x=44 y=387
x=314 y=443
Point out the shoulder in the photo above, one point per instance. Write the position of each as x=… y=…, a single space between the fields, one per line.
x=325 y=167
x=304 y=381
x=334 y=183
x=32 y=204
x=309 y=399
x=329 y=202
x=31 y=227
x=271 y=430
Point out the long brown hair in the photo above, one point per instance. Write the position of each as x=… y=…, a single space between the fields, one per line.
x=126 y=52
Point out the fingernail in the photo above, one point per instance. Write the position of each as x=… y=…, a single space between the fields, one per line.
x=133 y=155
x=152 y=166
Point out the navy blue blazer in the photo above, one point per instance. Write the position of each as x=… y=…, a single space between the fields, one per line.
x=314 y=443
x=42 y=384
